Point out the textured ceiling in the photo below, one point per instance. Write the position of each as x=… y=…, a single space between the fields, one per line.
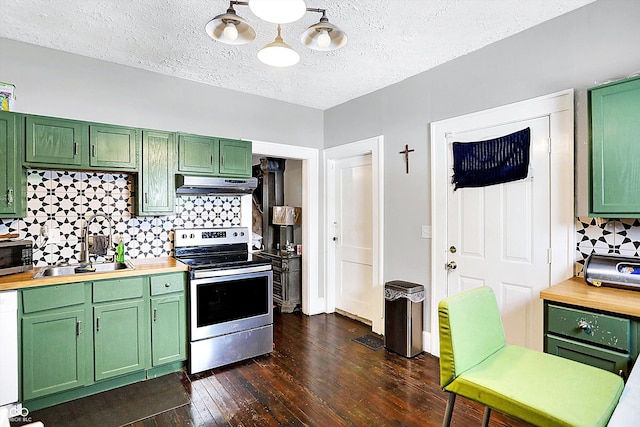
x=389 y=40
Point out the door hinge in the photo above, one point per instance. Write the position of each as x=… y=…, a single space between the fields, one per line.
x=549 y=254
x=549 y=145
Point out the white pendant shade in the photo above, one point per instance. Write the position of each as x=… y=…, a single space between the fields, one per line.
x=323 y=36
x=229 y=28
x=278 y=53
x=278 y=11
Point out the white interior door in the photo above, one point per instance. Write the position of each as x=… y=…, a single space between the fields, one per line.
x=499 y=235
x=353 y=237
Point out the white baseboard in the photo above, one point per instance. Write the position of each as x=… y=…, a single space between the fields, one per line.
x=426 y=341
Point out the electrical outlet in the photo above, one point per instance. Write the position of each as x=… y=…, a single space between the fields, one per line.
x=54 y=235
x=44 y=231
x=426 y=231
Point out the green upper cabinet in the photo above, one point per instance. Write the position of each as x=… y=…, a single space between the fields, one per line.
x=13 y=178
x=234 y=158
x=55 y=142
x=614 y=181
x=156 y=181
x=196 y=154
x=114 y=147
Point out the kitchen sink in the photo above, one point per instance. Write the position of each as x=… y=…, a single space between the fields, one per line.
x=71 y=270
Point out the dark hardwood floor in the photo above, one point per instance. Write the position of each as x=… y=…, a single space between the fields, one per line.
x=317 y=376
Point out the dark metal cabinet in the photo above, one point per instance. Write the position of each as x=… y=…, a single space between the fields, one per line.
x=287 y=279
x=605 y=340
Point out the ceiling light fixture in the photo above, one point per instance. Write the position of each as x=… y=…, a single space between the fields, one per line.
x=231 y=29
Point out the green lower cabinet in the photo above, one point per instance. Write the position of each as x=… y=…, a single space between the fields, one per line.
x=588 y=354
x=119 y=338
x=83 y=338
x=168 y=329
x=55 y=349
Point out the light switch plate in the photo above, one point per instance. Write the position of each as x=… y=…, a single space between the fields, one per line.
x=426 y=231
x=54 y=235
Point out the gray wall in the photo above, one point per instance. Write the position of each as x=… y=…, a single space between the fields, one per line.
x=59 y=84
x=586 y=47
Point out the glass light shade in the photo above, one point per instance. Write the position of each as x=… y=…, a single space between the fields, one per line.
x=278 y=11
x=278 y=53
x=278 y=56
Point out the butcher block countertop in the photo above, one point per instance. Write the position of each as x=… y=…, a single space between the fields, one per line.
x=575 y=291
x=141 y=267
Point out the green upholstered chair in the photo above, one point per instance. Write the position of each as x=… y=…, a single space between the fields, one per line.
x=539 y=388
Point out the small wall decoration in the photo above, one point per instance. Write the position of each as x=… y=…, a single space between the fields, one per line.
x=494 y=161
x=406 y=152
x=7 y=97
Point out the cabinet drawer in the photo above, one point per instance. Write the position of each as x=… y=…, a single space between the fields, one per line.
x=113 y=290
x=167 y=283
x=602 y=329
x=53 y=296
x=588 y=354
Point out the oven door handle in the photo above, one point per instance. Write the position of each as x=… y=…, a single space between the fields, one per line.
x=205 y=274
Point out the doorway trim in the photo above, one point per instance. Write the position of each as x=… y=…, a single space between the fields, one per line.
x=375 y=147
x=560 y=109
x=311 y=302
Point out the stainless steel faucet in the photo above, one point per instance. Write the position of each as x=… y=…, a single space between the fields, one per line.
x=85 y=256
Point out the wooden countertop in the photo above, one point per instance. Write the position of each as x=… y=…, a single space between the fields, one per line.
x=575 y=291
x=141 y=268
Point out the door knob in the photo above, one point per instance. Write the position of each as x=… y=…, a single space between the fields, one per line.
x=451 y=265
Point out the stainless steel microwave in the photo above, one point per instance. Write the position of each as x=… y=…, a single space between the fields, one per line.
x=16 y=256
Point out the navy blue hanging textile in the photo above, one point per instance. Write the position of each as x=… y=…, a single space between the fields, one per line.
x=494 y=161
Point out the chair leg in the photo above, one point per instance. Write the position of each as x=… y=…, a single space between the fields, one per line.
x=487 y=415
x=449 y=411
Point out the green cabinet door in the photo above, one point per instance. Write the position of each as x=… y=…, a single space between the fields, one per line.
x=602 y=358
x=113 y=147
x=156 y=180
x=119 y=338
x=54 y=142
x=168 y=329
x=234 y=158
x=196 y=154
x=614 y=139
x=54 y=352
x=13 y=178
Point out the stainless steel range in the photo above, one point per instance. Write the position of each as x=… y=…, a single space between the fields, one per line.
x=230 y=297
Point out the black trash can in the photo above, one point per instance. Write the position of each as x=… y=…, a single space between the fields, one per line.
x=403 y=317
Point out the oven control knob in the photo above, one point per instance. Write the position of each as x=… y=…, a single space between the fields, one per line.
x=242 y=233
x=235 y=234
x=193 y=236
x=184 y=236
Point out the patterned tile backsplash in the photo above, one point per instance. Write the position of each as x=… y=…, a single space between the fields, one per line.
x=606 y=236
x=64 y=200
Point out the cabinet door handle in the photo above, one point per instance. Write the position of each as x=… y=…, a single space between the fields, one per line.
x=155 y=314
x=211 y=160
x=78 y=327
x=222 y=160
x=10 y=196
x=75 y=149
x=167 y=285
x=146 y=198
x=97 y=324
x=93 y=151
x=586 y=327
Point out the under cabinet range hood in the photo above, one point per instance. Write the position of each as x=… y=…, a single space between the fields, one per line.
x=208 y=185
